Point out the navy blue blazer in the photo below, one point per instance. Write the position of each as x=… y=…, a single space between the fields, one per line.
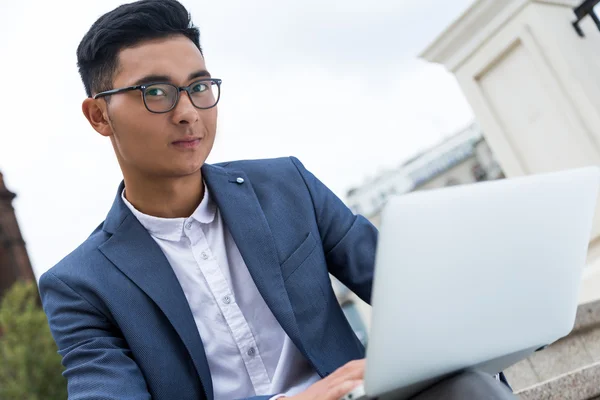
x=122 y=322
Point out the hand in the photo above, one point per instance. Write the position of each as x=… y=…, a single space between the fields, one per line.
x=336 y=385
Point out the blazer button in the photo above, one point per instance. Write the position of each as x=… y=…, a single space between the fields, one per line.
x=240 y=180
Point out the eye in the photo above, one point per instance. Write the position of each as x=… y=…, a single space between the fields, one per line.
x=199 y=87
x=155 y=91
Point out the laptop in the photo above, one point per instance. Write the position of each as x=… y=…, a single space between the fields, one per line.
x=475 y=276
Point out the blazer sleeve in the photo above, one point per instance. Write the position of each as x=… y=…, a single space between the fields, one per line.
x=349 y=240
x=98 y=362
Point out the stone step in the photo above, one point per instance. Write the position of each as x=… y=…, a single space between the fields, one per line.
x=568 y=369
x=583 y=384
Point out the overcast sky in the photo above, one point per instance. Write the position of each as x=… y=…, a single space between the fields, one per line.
x=335 y=83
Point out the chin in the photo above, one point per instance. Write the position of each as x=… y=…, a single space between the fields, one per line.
x=183 y=166
x=190 y=169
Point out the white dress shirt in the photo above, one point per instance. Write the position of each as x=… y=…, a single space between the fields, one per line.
x=247 y=350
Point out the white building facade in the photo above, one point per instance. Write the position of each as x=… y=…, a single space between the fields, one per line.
x=462 y=158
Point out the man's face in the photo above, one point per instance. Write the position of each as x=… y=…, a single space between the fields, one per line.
x=172 y=144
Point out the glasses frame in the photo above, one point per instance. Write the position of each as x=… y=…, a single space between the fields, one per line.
x=180 y=89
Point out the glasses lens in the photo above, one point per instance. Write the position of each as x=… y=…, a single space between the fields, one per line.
x=205 y=93
x=160 y=97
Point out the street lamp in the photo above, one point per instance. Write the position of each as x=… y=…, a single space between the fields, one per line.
x=584 y=9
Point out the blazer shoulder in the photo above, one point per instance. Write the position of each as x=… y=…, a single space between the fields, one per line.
x=259 y=164
x=266 y=168
x=79 y=260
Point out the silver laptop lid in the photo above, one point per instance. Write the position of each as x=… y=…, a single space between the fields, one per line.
x=469 y=274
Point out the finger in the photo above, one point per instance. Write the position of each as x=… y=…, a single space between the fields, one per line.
x=337 y=381
x=336 y=392
x=352 y=370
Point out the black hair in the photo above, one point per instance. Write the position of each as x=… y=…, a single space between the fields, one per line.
x=127 y=26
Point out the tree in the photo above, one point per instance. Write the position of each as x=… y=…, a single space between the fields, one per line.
x=30 y=367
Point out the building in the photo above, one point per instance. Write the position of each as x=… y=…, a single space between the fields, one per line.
x=462 y=158
x=14 y=261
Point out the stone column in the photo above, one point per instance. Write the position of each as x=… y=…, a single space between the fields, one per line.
x=534 y=85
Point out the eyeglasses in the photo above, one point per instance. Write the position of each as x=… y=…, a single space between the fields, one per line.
x=162 y=97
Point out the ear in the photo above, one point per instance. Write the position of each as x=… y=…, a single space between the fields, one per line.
x=97 y=115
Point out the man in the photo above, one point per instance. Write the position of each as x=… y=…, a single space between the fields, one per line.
x=204 y=281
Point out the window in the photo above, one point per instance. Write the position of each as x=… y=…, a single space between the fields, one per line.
x=479 y=173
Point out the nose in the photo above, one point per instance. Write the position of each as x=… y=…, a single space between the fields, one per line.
x=185 y=112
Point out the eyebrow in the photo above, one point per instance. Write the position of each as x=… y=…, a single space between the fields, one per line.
x=165 y=78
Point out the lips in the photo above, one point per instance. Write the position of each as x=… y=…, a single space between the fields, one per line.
x=187 y=140
x=187 y=143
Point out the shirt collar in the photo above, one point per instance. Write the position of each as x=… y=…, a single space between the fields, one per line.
x=172 y=228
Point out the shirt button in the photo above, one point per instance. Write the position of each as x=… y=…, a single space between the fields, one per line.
x=251 y=351
x=188 y=225
x=204 y=256
x=227 y=299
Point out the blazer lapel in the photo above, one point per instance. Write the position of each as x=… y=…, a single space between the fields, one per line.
x=248 y=226
x=135 y=253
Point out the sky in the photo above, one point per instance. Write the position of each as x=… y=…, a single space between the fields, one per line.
x=336 y=83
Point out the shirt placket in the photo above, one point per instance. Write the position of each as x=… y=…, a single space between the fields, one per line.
x=231 y=312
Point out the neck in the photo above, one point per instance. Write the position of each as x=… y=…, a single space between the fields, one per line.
x=165 y=197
